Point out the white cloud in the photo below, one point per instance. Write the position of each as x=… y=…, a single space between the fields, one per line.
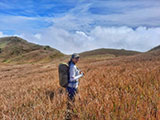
x=38 y=36
x=140 y=39
x=119 y=13
x=145 y=16
x=71 y=22
x=1 y=34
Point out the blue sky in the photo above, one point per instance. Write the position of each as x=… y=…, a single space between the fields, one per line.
x=76 y=26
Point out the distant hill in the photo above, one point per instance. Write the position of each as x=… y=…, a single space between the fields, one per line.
x=109 y=52
x=18 y=50
x=155 y=48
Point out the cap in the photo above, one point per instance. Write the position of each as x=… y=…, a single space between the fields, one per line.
x=75 y=55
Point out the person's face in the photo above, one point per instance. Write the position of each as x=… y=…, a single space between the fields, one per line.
x=75 y=60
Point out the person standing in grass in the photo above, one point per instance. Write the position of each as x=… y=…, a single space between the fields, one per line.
x=73 y=82
x=74 y=75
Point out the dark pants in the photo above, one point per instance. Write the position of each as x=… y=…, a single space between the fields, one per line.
x=71 y=98
x=71 y=93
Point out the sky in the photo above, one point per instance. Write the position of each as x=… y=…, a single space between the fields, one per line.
x=74 y=26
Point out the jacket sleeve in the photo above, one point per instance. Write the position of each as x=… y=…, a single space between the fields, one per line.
x=72 y=73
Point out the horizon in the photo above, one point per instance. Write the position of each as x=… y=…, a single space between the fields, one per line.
x=79 y=26
x=83 y=51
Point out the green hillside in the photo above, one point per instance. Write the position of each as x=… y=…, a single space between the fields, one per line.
x=18 y=50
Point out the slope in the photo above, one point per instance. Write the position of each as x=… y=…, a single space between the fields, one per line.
x=18 y=50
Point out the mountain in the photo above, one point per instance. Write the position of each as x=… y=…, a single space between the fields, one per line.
x=155 y=48
x=109 y=52
x=18 y=50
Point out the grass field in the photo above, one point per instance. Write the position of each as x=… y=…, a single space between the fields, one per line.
x=122 y=88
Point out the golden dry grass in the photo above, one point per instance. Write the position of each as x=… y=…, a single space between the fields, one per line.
x=123 y=88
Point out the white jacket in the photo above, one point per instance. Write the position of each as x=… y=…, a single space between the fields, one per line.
x=74 y=75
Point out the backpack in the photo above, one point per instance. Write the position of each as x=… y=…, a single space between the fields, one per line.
x=63 y=71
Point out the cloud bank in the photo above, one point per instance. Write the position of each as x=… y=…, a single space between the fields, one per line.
x=139 y=39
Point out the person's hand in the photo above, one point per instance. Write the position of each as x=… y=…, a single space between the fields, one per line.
x=82 y=73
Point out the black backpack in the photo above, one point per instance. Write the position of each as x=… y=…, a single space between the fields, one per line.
x=63 y=71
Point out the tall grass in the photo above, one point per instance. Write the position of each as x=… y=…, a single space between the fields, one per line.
x=110 y=90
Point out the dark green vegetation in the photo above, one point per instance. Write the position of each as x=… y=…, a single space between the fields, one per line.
x=17 y=50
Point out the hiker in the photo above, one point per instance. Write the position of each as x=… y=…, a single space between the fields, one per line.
x=69 y=76
x=74 y=75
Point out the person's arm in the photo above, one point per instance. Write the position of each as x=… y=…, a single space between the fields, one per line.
x=73 y=73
